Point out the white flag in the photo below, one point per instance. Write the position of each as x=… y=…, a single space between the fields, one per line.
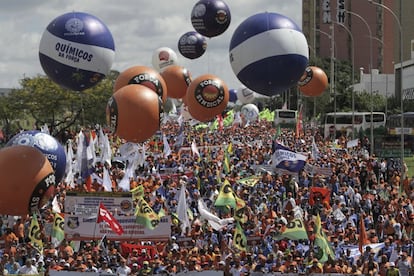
x=55 y=205
x=69 y=165
x=182 y=210
x=194 y=148
x=167 y=149
x=352 y=143
x=44 y=129
x=106 y=183
x=215 y=222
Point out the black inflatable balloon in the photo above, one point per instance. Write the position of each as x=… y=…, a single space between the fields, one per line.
x=192 y=45
x=210 y=17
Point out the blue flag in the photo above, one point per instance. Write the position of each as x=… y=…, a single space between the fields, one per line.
x=284 y=158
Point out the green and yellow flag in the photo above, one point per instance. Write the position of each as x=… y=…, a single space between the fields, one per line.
x=295 y=230
x=250 y=181
x=145 y=215
x=138 y=192
x=226 y=196
x=239 y=214
x=325 y=249
x=229 y=118
x=35 y=234
x=58 y=233
x=239 y=239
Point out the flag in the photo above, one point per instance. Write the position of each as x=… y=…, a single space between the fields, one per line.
x=180 y=137
x=55 y=205
x=363 y=237
x=239 y=213
x=103 y=243
x=220 y=122
x=284 y=158
x=105 y=215
x=239 y=239
x=35 y=234
x=295 y=230
x=167 y=150
x=250 y=181
x=145 y=215
x=58 y=233
x=352 y=143
x=319 y=194
x=106 y=150
x=138 y=192
x=226 y=196
x=226 y=162
x=106 y=182
x=84 y=155
x=45 y=129
x=69 y=165
x=182 y=210
x=194 y=148
x=215 y=222
x=237 y=119
x=315 y=150
x=229 y=118
x=325 y=250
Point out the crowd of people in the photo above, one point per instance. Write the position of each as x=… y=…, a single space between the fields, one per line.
x=362 y=187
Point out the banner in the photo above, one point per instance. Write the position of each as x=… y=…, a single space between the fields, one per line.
x=319 y=194
x=35 y=234
x=80 y=227
x=295 y=230
x=287 y=159
x=314 y=170
x=58 y=233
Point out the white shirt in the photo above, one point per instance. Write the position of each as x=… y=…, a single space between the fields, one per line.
x=30 y=270
x=123 y=270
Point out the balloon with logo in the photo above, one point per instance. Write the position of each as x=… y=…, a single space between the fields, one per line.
x=192 y=45
x=313 y=82
x=134 y=112
x=27 y=180
x=48 y=145
x=177 y=79
x=145 y=76
x=250 y=112
x=245 y=95
x=233 y=95
x=210 y=17
x=207 y=96
x=76 y=50
x=268 y=70
x=164 y=57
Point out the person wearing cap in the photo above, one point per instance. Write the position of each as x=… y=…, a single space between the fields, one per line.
x=105 y=269
x=316 y=267
x=28 y=268
x=392 y=270
x=404 y=264
x=145 y=269
x=12 y=266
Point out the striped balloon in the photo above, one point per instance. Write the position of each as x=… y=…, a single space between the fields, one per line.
x=268 y=53
x=76 y=50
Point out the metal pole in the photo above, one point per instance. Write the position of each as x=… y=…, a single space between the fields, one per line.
x=353 y=75
x=401 y=80
x=370 y=70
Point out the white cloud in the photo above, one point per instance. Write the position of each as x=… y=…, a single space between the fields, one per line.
x=138 y=27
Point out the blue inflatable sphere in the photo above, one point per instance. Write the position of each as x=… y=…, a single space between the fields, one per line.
x=268 y=53
x=210 y=17
x=232 y=95
x=48 y=145
x=76 y=50
x=192 y=45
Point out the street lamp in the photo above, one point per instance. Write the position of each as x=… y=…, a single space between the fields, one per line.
x=370 y=69
x=353 y=74
x=401 y=80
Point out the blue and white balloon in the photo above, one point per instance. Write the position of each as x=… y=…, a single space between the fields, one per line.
x=233 y=95
x=250 y=112
x=48 y=145
x=76 y=50
x=210 y=17
x=192 y=45
x=245 y=95
x=268 y=53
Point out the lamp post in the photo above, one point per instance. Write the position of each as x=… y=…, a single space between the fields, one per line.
x=352 y=73
x=401 y=80
x=370 y=70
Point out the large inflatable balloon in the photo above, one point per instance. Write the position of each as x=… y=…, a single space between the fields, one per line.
x=177 y=79
x=145 y=76
x=27 y=180
x=48 y=145
x=192 y=45
x=134 y=113
x=163 y=57
x=76 y=50
x=245 y=95
x=250 y=112
x=313 y=82
x=210 y=17
x=233 y=95
x=265 y=69
x=207 y=96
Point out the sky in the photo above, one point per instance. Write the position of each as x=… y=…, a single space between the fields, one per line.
x=138 y=28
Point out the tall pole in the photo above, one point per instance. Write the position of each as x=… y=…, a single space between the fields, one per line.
x=401 y=80
x=352 y=73
x=370 y=88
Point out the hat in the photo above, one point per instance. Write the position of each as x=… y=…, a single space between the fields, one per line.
x=67 y=265
x=392 y=264
x=145 y=262
x=222 y=262
x=135 y=264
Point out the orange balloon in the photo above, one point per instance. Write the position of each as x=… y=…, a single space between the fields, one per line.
x=313 y=82
x=27 y=180
x=142 y=75
x=177 y=79
x=206 y=97
x=133 y=112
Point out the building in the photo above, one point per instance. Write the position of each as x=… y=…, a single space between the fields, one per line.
x=350 y=23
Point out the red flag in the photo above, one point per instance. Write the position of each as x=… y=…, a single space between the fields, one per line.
x=220 y=122
x=318 y=194
x=363 y=237
x=105 y=215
